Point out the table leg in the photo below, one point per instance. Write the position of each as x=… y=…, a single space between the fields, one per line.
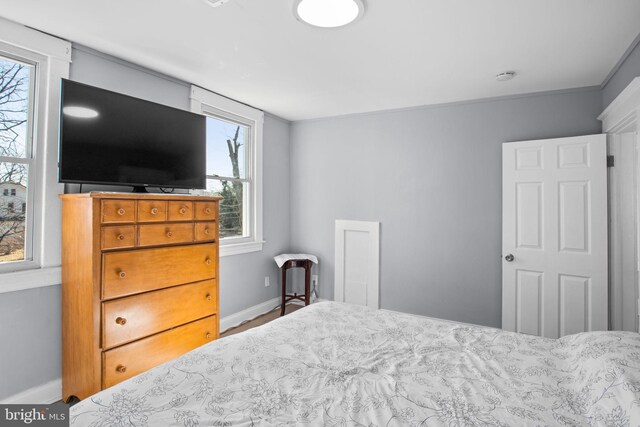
x=307 y=283
x=284 y=290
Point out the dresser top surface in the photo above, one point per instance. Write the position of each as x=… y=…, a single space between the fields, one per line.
x=139 y=196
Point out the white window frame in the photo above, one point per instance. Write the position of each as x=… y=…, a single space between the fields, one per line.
x=51 y=57
x=216 y=106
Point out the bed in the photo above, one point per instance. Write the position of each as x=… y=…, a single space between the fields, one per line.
x=337 y=364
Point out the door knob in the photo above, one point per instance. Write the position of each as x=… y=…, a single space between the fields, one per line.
x=509 y=258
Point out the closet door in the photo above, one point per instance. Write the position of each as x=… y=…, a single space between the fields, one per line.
x=357 y=263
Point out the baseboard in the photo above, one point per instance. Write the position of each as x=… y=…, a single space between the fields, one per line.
x=248 y=314
x=255 y=311
x=43 y=394
x=299 y=302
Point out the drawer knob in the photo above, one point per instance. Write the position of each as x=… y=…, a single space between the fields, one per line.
x=207 y=335
x=169 y=234
x=121 y=211
x=207 y=210
x=154 y=211
x=206 y=230
x=182 y=210
x=208 y=261
x=121 y=321
x=120 y=236
x=121 y=369
x=208 y=296
x=122 y=274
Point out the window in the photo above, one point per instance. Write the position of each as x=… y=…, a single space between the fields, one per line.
x=31 y=66
x=234 y=165
x=227 y=174
x=17 y=91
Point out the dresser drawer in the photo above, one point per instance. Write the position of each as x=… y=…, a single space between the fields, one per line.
x=131 y=359
x=114 y=236
x=152 y=210
x=131 y=272
x=165 y=234
x=205 y=210
x=114 y=211
x=130 y=318
x=206 y=231
x=180 y=211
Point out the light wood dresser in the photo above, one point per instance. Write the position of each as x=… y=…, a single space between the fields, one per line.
x=139 y=284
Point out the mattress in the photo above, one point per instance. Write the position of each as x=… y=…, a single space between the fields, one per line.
x=337 y=364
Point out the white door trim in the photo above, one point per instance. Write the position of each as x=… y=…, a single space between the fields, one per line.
x=368 y=263
x=622 y=114
x=621 y=120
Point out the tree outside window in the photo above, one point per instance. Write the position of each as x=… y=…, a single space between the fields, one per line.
x=234 y=168
x=15 y=87
x=227 y=173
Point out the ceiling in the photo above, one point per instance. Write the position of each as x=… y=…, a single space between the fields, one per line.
x=402 y=53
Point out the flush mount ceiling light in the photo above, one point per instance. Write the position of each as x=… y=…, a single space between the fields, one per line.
x=507 y=75
x=80 y=112
x=328 y=13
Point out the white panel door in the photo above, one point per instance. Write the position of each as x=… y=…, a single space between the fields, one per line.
x=554 y=236
x=357 y=263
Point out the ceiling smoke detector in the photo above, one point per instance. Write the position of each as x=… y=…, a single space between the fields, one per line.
x=328 y=13
x=506 y=76
x=216 y=3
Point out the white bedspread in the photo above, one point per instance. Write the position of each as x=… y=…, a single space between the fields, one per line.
x=336 y=364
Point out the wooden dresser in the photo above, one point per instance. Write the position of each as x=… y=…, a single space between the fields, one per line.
x=139 y=284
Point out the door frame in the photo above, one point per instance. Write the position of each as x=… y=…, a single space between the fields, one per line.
x=621 y=120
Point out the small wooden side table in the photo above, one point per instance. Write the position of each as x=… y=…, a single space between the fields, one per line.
x=306 y=297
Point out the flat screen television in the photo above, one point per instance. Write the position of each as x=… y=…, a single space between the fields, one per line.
x=110 y=138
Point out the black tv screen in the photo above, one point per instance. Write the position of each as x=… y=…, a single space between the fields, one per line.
x=110 y=138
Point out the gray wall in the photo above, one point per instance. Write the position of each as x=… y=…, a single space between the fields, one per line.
x=432 y=177
x=627 y=71
x=30 y=320
x=30 y=334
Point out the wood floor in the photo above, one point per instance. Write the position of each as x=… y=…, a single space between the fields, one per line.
x=260 y=320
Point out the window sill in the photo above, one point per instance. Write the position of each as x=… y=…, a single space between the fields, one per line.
x=240 y=248
x=30 y=279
